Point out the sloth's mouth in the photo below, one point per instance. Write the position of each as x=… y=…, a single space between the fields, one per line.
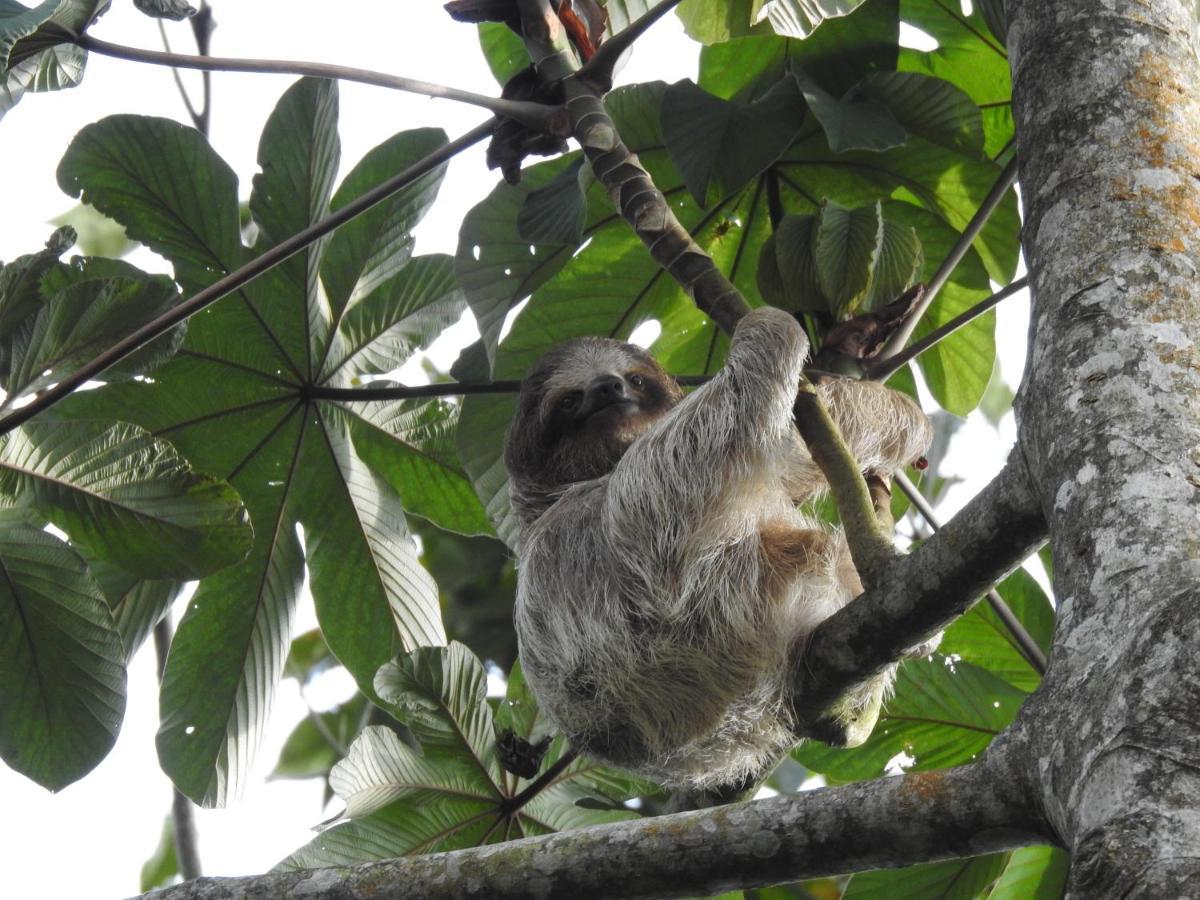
x=615 y=409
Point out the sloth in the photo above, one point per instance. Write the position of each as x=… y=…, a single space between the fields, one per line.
x=666 y=578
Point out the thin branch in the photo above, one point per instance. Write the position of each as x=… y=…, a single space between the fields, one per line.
x=1007 y=176
x=534 y=115
x=1026 y=645
x=183 y=819
x=442 y=389
x=871 y=546
x=883 y=369
x=875 y=824
x=198 y=117
x=925 y=592
x=600 y=67
x=514 y=804
x=239 y=277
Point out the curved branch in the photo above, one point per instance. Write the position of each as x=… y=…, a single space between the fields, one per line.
x=873 y=824
x=926 y=591
x=534 y=115
x=1026 y=645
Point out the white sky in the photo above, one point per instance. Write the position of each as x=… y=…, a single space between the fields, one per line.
x=92 y=838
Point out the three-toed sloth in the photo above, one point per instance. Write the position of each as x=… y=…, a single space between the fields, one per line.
x=666 y=578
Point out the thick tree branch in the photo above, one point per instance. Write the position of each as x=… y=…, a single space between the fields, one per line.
x=870 y=825
x=534 y=115
x=600 y=67
x=1026 y=645
x=925 y=592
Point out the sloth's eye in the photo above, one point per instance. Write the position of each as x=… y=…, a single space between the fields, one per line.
x=637 y=381
x=568 y=401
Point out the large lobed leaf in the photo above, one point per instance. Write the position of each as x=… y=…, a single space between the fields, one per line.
x=62 y=675
x=448 y=794
x=236 y=400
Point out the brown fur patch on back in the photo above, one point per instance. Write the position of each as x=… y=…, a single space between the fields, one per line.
x=788 y=552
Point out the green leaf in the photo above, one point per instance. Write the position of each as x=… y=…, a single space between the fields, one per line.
x=800 y=18
x=787 y=274
x=953 y=879
x=162 y=868
x=298 y=154
x=403 y=314
x=165 y=9
x=504 y=51
x=556 y=213
x=943 y=714
x=405 y=828
x=411 y=446
x=168 y=188
x=896 y=269
x=88 y=307
x=372 y=595
x=837 y=54
x=930 y=107
x=62 y=679
x=374 y=246
x=229 y=649
x=127 y=497
x=54 y=69
x=966 y=56
x=137 y=605
x=982 y=639
x=957 y=369
x=845 y=247
x=1033 y=873
x=20 y=281
x=719 y=145
x=439 y=693
x=497 y=268
x=25 y=33
x=98 y=234
x=311 y=750
x=852 y=123
x=714 y=21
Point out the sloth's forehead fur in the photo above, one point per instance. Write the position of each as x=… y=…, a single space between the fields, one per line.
x=576 y=364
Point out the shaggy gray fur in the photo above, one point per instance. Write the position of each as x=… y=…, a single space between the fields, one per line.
x=655 y=621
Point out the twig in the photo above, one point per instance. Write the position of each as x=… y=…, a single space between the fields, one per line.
x=1027 y=646
x=1007 y=176
x=534 y=115
x=240 y=276
x=199 y=117
x=512 y=805
x=883 y=369
x=183 y=819
x=442 y=389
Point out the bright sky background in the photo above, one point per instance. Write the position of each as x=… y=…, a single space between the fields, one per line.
x=90 y=840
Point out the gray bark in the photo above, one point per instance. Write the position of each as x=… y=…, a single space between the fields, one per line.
x=889 y=822
x=1107 y=104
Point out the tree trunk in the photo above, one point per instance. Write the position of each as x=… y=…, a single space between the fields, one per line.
x=1107 y=105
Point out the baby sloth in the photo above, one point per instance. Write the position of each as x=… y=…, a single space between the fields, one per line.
x=665 y=575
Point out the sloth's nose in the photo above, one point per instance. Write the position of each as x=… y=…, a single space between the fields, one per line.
x=608 y=388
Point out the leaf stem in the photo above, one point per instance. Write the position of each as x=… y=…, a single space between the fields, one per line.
x=512 y=805
x=240 y=276
x=1026 y=645
x=443 y=389
x=534 y=115
x=883 y=369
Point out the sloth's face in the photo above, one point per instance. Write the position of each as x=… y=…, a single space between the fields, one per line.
x=581 y=407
